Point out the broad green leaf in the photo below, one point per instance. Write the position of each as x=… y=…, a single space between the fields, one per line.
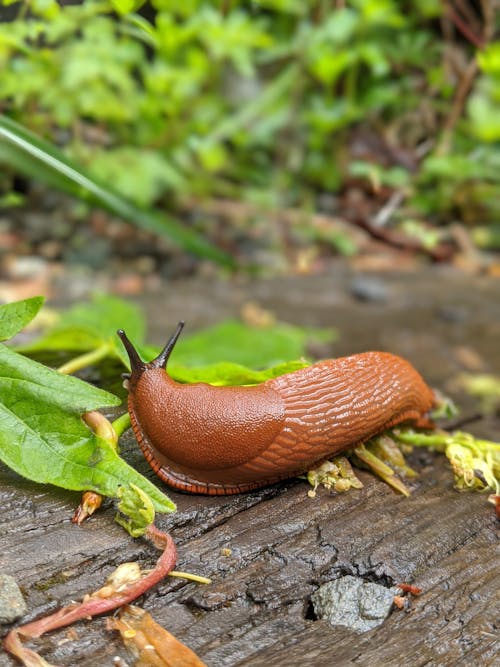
x=36 y=158
x=49 y=446
x=43 y=438
x=227 y=353
x=88 y=326
x=239 y=343
x=33 y=382
x=227 y=373
x=15 y=316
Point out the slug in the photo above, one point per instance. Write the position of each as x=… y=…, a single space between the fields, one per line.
x=223 y=440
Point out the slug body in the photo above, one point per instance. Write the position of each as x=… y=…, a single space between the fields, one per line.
x=223 y=440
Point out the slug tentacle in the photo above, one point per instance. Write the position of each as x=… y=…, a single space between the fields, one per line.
x=222 y=440
x=163 y=357
x=137 y=365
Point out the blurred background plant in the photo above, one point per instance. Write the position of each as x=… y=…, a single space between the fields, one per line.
x=275 y=104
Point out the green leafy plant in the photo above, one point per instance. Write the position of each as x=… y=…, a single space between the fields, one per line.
x=42 y=435
x=260 y=102
x=34 y=157
x=90 y=330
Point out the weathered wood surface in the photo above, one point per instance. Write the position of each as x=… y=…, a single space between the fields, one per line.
x=284 y=544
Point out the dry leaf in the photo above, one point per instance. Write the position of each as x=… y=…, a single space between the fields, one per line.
x=151 y=645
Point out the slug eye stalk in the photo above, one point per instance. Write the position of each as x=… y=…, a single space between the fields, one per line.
x=137 y=365
x=162 y=358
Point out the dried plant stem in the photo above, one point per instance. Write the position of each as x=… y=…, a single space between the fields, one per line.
x=96 y=604
x=462 y=92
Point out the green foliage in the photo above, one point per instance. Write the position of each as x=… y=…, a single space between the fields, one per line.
x=34 y=157
x=239 y=343
x=15 y=316
x=90 y=326
x=250 y=100
x=225 y=354
x=136 y=509
x=484 y=103
x=42 y=436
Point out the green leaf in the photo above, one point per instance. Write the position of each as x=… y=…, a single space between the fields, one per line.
x=43 y=438
x=15 y=316
x=89 y=326
x=137 y=508
x=242 y=344
x=227 y=373
x=126 y=6
x=31 y=155
x=226 y=353
x=31 y=381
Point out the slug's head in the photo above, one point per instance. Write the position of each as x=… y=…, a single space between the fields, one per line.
x=137 y=365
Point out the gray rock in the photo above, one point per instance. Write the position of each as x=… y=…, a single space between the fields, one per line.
x=12 y=604
x=369 y=289
x=353 y=603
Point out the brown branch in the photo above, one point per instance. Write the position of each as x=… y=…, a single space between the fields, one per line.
x=464 y=28
x=488 y=12
x=467 y=79
x=470 y=16
x=440 y=253
x=462 y=92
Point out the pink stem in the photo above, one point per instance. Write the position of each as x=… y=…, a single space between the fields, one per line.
x=95 y=606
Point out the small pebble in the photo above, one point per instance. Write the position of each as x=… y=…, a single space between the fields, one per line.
x=353 y=603
x=22 y=268
x=12 y=604
x=369 y=289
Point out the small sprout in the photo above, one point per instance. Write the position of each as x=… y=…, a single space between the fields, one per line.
x=388 y=451
x=91 y=501
x=475 y=462
x=102 y=427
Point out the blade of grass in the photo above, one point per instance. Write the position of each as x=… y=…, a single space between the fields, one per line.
x=37 y=158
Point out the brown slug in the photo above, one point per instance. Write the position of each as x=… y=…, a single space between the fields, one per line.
x=223 y=440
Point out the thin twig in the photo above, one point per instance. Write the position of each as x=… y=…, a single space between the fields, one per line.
x=469 y=74
x=384 y=214
x=464 y=28
x=462 y=92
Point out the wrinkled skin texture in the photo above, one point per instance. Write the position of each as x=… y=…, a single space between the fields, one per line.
x=224 y=440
